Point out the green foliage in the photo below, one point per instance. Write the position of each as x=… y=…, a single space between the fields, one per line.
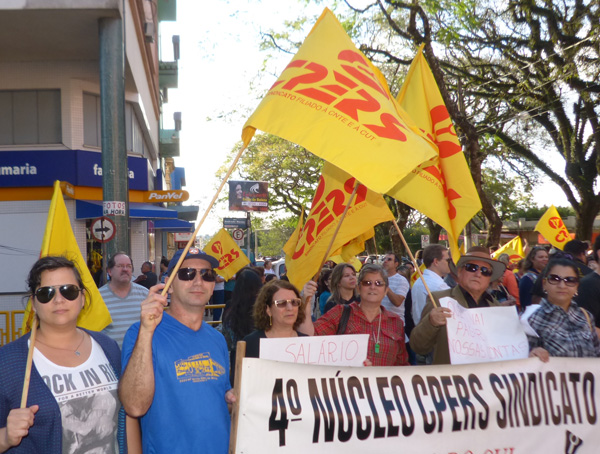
x=535 y=212
x=272 y=240
x=509 y=194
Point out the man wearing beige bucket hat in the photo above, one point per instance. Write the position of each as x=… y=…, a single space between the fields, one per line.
x=475 y=271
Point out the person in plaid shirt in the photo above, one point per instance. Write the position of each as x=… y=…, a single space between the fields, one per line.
x=564 y=329
x=368 y=316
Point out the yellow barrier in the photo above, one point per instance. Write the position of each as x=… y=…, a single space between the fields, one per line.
x=215 y=306
x=12 y=327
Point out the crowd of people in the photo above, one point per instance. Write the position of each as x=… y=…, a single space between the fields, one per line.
x=159 y=360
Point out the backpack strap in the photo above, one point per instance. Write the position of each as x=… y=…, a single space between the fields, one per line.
x=587 y=317
x=344 y=319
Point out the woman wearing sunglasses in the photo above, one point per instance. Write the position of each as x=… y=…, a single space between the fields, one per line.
x=72 y=404
x=367 y=316
x=564 y=329
x=277 y=313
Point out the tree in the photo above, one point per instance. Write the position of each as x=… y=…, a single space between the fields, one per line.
x=291 y=171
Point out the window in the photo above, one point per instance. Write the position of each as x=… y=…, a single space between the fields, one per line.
x=92 y=134
x=30 y=117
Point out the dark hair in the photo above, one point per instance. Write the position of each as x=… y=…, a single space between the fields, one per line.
x=323 y=278
x=405 y=271
x=111 y=261
x=265 y=298
x=336 y=277
x=372 y=268
x=396 y=258
x=269 y=277
x=432 y=252
x=575 y=247
x=164 y=261
x=596 y=248
x=238 y=313
x=559 y=262
x=51 y=263
x=528 y=263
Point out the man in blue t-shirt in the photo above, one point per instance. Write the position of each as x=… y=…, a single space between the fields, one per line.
x=176 y=368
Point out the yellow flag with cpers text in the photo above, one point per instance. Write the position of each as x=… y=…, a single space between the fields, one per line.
x=227 y=252
x=331 y=100
x=442 y=188
x=59 y=240
x=329 y=202
x=514 y=248
x=552 y=227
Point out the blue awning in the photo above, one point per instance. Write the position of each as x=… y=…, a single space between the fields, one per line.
x=174 y=225
x=91 y=209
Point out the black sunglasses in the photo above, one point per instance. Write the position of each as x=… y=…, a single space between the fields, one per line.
x=189 y=274
x=472 y=268
x=570 y=281
x=46 y=294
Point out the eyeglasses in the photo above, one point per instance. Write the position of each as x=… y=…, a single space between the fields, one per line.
x=127 y=267
x=283 y=303
x=189 y=274
x=369 y=283
x=472 y=268
x=387 y=259
x=46 y=294
x=555 y=279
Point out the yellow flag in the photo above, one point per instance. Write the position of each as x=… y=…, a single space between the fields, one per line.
x=349 y=250
x=514 y=248
x=290 y=246
x=331 y=197
x=552 y=227
x=416 y=275
x=60 y=240
x=226 y=251
x=442 y=188
x=331 y=100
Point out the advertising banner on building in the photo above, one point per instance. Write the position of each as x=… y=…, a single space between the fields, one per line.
x=510 y=407
x=248 y=196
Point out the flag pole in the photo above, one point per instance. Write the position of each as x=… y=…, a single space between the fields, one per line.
x=193 y=237
x=240 y=353
x=417 y=267
x=29 y=363
x=337 y=229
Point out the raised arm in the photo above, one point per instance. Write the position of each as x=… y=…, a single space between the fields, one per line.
x=136 y=387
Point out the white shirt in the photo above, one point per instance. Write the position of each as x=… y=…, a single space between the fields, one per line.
x=400 y=286
x=419 y=294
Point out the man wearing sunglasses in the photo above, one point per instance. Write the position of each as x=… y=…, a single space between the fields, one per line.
x=475 y=271
x=176 y=368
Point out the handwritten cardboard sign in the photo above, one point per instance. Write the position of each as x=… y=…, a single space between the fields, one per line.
x=344 y=350
x=484 y=334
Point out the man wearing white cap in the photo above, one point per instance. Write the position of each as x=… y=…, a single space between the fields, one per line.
x=475 y=271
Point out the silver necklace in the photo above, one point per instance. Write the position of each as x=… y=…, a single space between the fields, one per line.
x=77 y=352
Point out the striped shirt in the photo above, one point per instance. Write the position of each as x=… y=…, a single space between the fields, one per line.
x=123 y=311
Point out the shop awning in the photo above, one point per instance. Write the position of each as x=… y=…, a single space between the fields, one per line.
x=91 y=209
x=174 y=225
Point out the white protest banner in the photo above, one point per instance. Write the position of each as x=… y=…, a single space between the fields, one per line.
x=343 y=350
x=508 y=407
x=484 y=334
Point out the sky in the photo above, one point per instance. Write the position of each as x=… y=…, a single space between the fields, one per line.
x=219 y=88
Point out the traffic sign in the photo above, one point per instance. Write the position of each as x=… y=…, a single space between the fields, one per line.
x=235 y=223
x=238 y=234
x=103 y=229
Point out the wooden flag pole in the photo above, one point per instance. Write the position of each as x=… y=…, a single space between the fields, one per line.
x=193 y=237
x=29 y=363
x=412 y=258
x=240 y=353
x=337 y=229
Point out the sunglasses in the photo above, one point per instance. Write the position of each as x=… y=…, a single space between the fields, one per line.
x=369 y=283
x=555 y=279
x=283 y=303
x=68 y=291
x=472 y=268
x=189 y=274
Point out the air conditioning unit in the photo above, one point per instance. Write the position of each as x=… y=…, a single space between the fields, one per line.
x=149 y=31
